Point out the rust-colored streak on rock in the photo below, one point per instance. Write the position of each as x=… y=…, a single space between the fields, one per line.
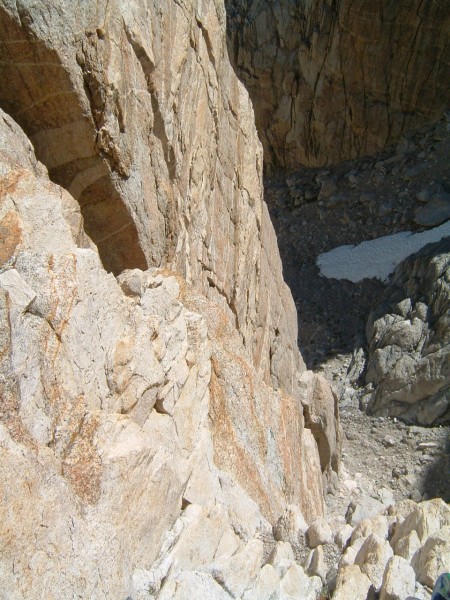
x=10 y=236
x=81 y=464
x=229 y=453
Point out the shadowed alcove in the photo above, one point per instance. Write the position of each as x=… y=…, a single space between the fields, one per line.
x=43 y=100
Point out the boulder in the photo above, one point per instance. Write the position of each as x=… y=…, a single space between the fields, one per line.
x=426 y=519
x=316 y=565
x=318 y=533
x=281 y=557
x=351 y=583
x=433 y=558
x=399 y=580
x=408 y=335
x=343 y=535
x=296 y=585
x=372 y=558
x=361 y=508
x=290 y=526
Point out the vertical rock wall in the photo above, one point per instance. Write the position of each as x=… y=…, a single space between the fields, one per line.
x=151 y=423
x=335 y=80
x=135 y=110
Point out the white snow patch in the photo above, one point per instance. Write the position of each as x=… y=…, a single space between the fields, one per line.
x=376 y=258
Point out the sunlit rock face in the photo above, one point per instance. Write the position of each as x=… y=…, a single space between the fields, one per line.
x=332 y=81
x=135 y=109
x=152 y=394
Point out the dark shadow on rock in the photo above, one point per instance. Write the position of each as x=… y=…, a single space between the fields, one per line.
x=436 y=481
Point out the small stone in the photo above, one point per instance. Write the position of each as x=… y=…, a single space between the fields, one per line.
x=415 y=496
x=398 y=472
x=310 y=195
x=388 y=441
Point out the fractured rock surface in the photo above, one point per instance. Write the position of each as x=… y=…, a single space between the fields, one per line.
x=135 y=429
x=409 y=340
x=152 y=418
x=156 y=140
x=333 y=81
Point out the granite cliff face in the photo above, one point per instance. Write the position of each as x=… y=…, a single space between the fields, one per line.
x=332 y=80
x=156 y=414
x=136 y=111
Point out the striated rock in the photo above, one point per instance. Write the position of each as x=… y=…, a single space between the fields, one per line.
x=152 y=416
x=399 y=580
x=139 y=393
x=158 y=145
x=408 y=335
x=332 y=81
x=140 y=426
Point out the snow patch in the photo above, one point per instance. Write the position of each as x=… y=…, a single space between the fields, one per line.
x=376 y=258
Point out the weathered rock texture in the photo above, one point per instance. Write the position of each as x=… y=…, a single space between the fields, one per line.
x=409 y=340
x=332 y=80
x=376 y=555
x=134 y=431
x=152 y=428
x=135 y=110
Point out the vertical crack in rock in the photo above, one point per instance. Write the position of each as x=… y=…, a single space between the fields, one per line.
x=367 y=73
x=159 y=127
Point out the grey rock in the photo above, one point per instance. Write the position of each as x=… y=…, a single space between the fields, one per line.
x=362 y=508
x=302 y=63
x=408 y=341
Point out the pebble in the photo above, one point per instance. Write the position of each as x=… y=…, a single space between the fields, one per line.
x=388 y=441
